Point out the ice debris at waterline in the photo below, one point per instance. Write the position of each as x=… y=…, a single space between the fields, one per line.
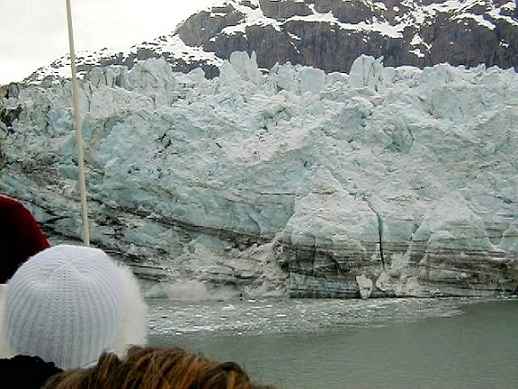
x=293 y=182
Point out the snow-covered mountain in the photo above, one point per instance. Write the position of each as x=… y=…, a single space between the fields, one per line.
x=329 y=34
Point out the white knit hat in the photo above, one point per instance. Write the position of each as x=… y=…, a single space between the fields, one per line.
x=65 y=306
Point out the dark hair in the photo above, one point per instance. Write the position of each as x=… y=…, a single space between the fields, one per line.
x=156 y=368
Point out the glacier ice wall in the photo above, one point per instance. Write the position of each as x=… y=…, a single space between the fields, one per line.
x=292 y=182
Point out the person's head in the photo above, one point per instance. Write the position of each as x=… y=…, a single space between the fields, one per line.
x=66 y=305
x=156 y=368
x=20 y=236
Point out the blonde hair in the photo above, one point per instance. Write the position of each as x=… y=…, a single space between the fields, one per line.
x=156 y=368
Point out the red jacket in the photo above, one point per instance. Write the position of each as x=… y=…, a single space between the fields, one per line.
x=20 y=236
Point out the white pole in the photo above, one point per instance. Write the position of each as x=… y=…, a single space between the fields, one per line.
x=77 y=122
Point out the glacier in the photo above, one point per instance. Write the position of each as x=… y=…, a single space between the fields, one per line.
x=392 y=182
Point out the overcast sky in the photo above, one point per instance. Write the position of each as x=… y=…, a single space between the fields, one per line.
x=33 y=32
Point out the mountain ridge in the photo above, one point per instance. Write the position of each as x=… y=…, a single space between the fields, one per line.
x=327 y=34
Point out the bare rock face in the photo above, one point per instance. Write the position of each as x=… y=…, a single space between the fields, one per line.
x=330 y=35
x=282 y=10
x=203 y=26
x=347 y=11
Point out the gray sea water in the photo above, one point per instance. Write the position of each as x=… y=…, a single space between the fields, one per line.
x=389 y=344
